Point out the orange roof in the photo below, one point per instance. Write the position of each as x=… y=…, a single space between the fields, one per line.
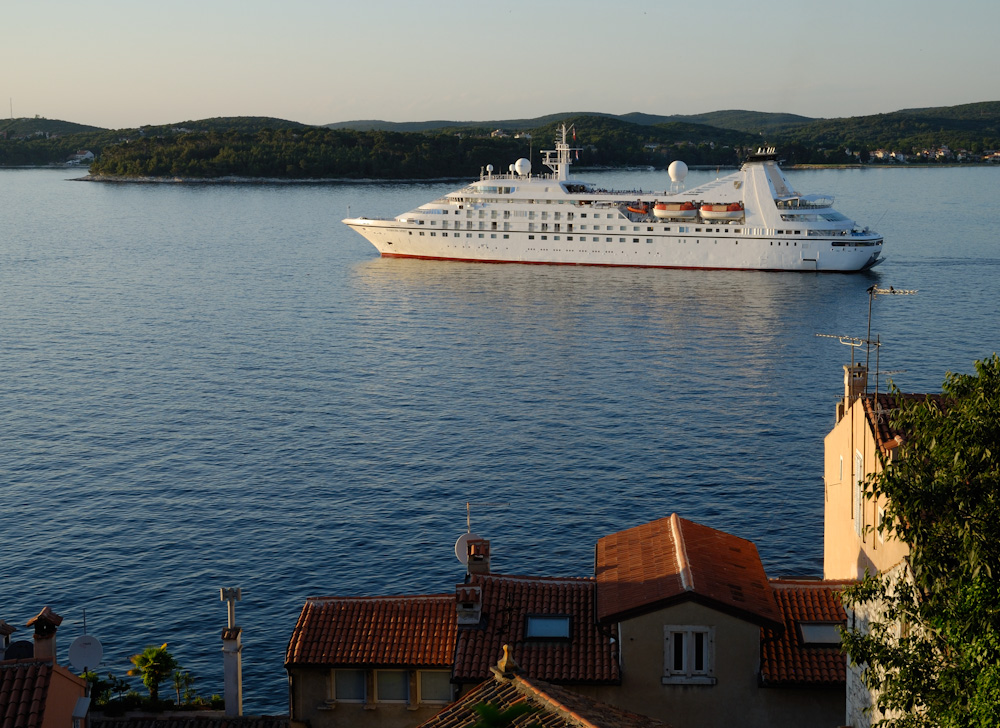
x=24 y=685
x=785 y=660
x=406 y=631
x=588 y=656
x=673 y=560
x=879 y=409
x=554 y=707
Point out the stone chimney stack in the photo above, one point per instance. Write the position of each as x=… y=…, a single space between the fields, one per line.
x=6 y=630
x=232 y=656
x=468 y=605
x=479 y=556
x=46 y=622
x=855 y=384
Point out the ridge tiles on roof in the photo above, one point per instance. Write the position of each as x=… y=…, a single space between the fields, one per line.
x=672 y=559
x=555 y=707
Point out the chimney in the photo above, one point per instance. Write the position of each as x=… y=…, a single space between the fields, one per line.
x=6 y=630
x=46 y=622
x=468 y=604
x=479 y=556
x=232 y=657
x=855 y=384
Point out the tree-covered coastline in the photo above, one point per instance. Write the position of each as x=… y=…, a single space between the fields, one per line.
x=258 y=147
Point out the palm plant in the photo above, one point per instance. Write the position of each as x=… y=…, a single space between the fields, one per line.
x=153 y=665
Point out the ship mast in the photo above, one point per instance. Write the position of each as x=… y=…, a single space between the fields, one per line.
x=558 y=159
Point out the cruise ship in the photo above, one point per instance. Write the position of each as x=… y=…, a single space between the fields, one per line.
x=749 y=220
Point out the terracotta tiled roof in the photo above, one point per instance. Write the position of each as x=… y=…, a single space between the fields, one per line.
x=672 y=560
x=588 y=656
x=407 y=631
x=785 y=661
x=24 y=685
x=192 y=721
x=879 y=409
x=555 y=707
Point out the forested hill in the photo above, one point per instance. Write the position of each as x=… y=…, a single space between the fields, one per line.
x=265 y=146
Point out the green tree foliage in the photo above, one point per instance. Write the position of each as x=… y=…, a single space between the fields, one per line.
x=153 y=665
x=931 y=654
x=276 y=148
x=183 y=684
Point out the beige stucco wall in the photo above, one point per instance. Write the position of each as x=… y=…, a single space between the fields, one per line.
x=845 y=554
x=311 y=691
x=735 y=699
x=65 y=689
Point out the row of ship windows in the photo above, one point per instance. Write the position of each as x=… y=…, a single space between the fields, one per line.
x=680 y=229
x=582 y=238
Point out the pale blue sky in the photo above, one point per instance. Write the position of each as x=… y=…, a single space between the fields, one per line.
x=122 y=64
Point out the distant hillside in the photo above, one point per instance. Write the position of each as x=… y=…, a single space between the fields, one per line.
x=752 y=122
x=511 y=125
x=42 y=127
x=247 y=124
x=247 y=146
x=969 y=126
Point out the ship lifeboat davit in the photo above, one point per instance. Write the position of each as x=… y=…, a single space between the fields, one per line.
x=732 y=211
x=674 y=210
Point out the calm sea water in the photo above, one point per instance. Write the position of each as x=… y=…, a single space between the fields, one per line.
x=207 y=386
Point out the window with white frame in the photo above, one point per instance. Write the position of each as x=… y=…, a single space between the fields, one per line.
x=349 y=686
x=434 y=686
x=689 y=655
x=392 y=686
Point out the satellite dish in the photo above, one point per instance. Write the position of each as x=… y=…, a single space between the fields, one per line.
x=677 y=171
x=20 y=650
x=462 y=547
x=86 y=652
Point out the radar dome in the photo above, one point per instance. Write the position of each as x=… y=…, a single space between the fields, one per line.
x=677 y=171
x=489 y=167
x=522 y=167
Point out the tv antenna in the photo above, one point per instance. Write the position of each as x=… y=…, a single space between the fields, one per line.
x=872 y=293
x=461 y=545
x=867 y=342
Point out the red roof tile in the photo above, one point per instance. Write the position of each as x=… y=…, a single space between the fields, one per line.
x=24 y=685
x=588 y=656
x=879 y=409
x=672 y=560
x=555 y=707
x=785 y=661
x=407 y=631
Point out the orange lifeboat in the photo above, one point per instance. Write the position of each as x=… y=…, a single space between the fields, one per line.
x=732 y=211
x=639 y=208
x=674 y=210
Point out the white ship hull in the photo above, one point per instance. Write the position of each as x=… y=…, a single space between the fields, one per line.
x=547 y=219
x=642 y=249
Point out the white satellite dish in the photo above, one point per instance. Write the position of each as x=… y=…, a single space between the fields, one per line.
x=85 y=653
x=462 y=547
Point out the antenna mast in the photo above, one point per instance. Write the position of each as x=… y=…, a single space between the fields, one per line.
x=468 y=511
x=872 y=293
